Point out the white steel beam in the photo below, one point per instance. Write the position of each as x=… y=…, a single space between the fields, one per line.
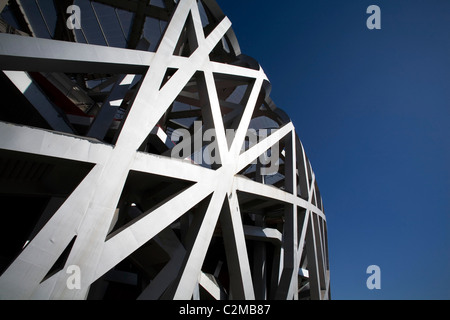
x=241 y=285
x=35 y=54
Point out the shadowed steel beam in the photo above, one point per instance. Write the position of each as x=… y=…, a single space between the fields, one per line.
x=169 y=243
x=263 y=234
x=191 y=268
x=24 y=18
x=206 y=281
x=106 y=115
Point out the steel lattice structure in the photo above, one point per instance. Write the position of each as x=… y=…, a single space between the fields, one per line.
x=87 y=172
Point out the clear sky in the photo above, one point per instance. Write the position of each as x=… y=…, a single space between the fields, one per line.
x=372 y=108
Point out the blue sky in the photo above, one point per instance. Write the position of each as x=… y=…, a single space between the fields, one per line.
x=372 y=108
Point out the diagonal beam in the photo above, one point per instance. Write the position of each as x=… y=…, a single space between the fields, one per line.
x=195 y=62
x=102 y=122
x=198 y=36
x=169 y=243
x=140 y=121
x=245 y=120
x=42 y=252
x=112 y=175
x=254 y=152
x=263 y=190
x=305 y=223
x=233 y=70
x=302 y=237
x=288 y=277
x=313 y=263
x=23 y=18
x=215 y=116
x=132 y=237
x=241 y=285
x=188 y=277
x=319 y=252
x=25 y=84
x=209 y=283
x=146 y=118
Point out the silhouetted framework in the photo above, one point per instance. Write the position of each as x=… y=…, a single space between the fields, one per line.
x=94 y=203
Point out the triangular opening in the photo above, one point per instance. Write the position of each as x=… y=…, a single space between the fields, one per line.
x=269 y=166
x=222 y=52
x=233 y=93
x=186 y=131
x=142 y=194
x=61 y=261
x=169 y=74
x=187 y=43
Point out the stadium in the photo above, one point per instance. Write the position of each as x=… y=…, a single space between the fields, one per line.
x=100 y=198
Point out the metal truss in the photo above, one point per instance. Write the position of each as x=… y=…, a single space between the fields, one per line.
x=167 y=228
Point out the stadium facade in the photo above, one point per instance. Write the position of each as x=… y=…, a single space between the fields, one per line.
x=99 y=201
